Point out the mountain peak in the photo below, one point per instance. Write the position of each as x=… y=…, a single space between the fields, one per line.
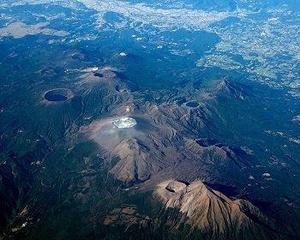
x=212 y=212
x=226 y=88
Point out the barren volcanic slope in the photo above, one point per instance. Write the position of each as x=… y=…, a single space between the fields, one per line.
x=218 y=216
x=149 y=120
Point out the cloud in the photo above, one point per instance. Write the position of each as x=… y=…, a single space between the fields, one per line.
x=20 y=30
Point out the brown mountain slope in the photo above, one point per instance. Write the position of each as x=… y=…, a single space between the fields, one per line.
x=216 y=215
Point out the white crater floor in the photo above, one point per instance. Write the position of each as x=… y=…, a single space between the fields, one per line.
x=124 y=122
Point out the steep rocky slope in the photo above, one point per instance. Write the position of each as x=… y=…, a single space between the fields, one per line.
x=216 y=215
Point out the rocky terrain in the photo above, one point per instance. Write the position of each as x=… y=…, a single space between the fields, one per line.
x=218 y=216
x=165 y=141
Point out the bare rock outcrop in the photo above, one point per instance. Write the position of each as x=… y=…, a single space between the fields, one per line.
x=216 y=215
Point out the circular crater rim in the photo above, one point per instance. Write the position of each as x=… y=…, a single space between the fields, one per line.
x=57 y=95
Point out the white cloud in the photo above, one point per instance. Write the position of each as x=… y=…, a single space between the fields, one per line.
x=20 y=29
